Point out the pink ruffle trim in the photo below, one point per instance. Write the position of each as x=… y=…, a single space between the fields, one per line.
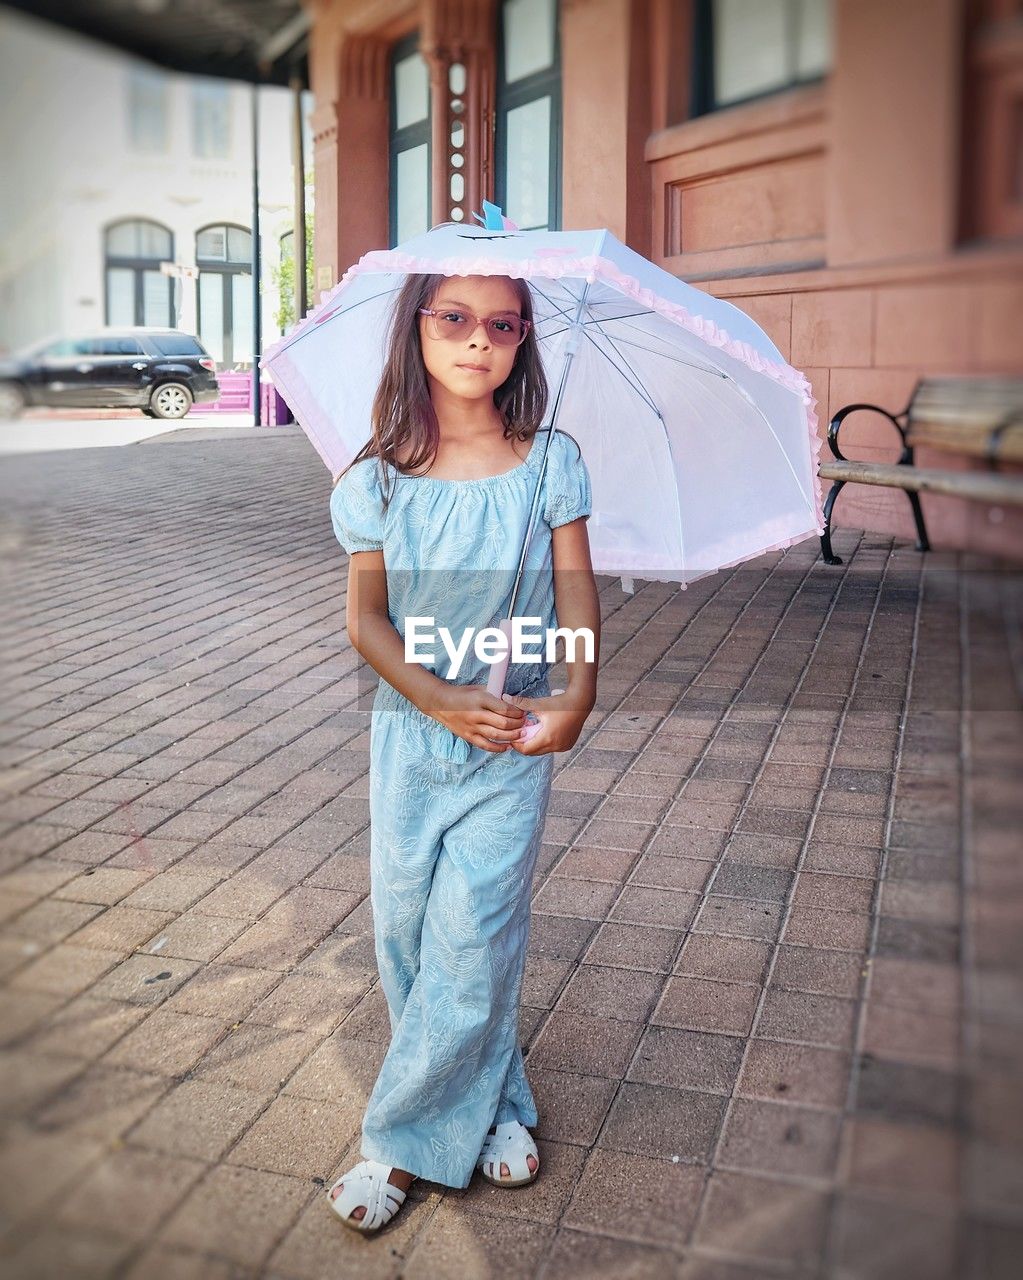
x=590 y=268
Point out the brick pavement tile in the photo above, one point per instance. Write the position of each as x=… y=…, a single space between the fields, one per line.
x=305 y=1002
x=145 y=979
x=66 y=970
x=166 y=1043
x=346 y=872
x=310 y=907
x=587 y=862
x=458 y=1244
x=341 y=1071
x=774 y=822
x=688 y=842
x=194 y=936
x=887 y=1155
x=624 y=994
x=577 y=1253
x=105 y=885
x=938 y=903
x=571 y=1107
x=543 y=981
x=22 y=1012
x=256 y=1058
x=244 y=1211
x=175 y=890
x=795 y=1073
x=36 y=1165
x=916 y=984
x=634 y=946
x=653 y=1120
x=198 y=1119
x=776 y=1223
x=227 y=992
x=120 y=928
x=744 y=880
x=541 y=1201
x=912 y=1036
x=51 y=921
x=559 y=937
x=666 y=908
x=369 y=1020
x=654 y=871
x=83 y=1028
x=917 y=940
x=820 y=927
x=69 y=1252
x=101 y=1102
x=887 y=1238
x=170 y=1263
x=589 y=1045
x=835 y=892
x=817 y=970
x=636 y=1198
x=780 y=852
x=630 y=808
x=339 y=952
x=590 y=899
x=707 y=955
x=320 y=1245
x=41 y=876
x=298 y=1136
x=705 y=1005
x=687 y=1059
x=150 y=853
x=27 y=1079
x=705 y=815
x=807 y=1017
x=129 y=1192
x=906 y=1091
x=780 y=1138
x=746 y=917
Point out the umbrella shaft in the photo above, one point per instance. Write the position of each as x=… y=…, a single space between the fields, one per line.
x=571 y=345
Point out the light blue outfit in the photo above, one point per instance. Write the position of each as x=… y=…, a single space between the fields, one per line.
x=455 y=829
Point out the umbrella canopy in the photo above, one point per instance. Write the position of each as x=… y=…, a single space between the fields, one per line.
x=700 y=439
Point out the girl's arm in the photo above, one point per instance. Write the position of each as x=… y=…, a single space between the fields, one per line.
x=576 y=604
x=469 y=711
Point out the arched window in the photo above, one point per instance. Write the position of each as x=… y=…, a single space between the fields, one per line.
x=527 y=137
x=223 y=254
x=136 y=290
x=410 y=141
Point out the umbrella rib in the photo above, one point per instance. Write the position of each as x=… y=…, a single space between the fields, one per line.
x=636 y=385
x=664 y=355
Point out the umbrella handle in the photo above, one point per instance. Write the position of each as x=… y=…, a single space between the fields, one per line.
x=498 y=672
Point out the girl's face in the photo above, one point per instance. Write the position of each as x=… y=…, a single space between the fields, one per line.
x=470 y=366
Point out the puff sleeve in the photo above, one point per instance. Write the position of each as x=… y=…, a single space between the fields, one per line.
x=567 y=482
x=356 y=508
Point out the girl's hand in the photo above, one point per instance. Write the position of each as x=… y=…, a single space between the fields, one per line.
x=470 y=712
x=561 y=717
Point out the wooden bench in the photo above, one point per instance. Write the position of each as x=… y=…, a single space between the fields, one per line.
x=978 y=417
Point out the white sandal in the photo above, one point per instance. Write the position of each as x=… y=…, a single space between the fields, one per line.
x=510 y=1144
x=366 y=1185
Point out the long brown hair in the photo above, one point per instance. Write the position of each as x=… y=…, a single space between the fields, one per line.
x=403 y=409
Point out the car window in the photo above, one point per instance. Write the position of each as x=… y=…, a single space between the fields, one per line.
x=177 y=344
x=64 y=347
x=114 y=345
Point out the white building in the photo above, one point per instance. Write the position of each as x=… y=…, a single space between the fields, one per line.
x=113 y=171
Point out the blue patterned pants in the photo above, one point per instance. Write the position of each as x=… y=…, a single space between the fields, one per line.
x=455 y=833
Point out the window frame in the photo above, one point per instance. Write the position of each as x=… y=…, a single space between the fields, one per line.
x=407 y=138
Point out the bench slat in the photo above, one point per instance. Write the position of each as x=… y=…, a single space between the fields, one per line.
x=974 y=441
x=981 y=486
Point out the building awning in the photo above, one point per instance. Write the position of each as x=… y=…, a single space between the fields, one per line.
x=260 y=41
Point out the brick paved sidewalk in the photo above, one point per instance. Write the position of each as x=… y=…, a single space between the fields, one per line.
x=774 y=998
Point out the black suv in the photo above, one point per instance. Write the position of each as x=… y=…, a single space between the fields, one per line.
x=163 y=372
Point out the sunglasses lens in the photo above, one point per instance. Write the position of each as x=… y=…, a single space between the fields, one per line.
x=503 y=330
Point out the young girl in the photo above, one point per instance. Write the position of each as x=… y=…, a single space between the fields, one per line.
x=432 y=513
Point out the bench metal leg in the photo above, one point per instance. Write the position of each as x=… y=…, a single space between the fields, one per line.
x=922 y=541
x=826 y=552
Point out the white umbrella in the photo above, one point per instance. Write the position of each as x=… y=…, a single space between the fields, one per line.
x=700 y=439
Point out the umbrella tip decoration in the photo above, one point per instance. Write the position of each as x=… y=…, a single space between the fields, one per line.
x=492 y=219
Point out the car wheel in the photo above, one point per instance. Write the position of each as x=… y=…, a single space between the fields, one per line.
x=149 y=411
x=172 y=400
x=12 y=399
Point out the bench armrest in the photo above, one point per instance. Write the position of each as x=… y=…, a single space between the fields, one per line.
x=896 y=419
